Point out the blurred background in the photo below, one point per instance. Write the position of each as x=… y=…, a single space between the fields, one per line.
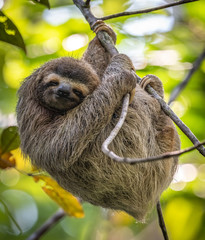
x=164 y=43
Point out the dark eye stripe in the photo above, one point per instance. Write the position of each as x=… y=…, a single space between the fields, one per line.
x=52 y=84
x=78 y=93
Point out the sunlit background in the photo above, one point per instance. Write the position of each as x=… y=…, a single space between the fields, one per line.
x=164 y=43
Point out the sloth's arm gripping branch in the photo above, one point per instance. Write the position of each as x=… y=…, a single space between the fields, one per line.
x=97 y=109
x=111 y=48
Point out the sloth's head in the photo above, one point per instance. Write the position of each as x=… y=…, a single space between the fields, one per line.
x=64 y=83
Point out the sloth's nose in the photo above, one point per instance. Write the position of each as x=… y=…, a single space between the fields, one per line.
x=64 y=90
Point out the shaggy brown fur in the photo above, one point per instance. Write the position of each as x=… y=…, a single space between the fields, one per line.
x=68 y=144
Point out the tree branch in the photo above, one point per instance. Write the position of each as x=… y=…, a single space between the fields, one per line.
x=84 y=8
x=107 y=42
x=146 y=10
x=47 y=225
x=161 y=221
x=115 y=131
x=111 y=48
x=183 y=84
x=168 y=111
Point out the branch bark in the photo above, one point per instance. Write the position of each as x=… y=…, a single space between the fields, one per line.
x=47 y=225
x=85 y=9
x=175 y=93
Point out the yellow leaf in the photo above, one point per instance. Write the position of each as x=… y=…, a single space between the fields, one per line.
x=21 y=162
x=6 y=160
x=66 y=200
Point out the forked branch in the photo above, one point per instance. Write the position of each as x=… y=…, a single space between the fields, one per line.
x=84 y=6
x=111 y=48
x=115 y=131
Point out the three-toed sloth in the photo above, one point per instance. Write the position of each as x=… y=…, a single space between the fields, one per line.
x=68 y=107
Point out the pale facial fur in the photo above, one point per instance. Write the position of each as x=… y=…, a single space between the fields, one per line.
x=61 y=93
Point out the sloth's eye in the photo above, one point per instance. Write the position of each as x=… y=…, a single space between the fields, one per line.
x=52 y=84
x=78 y=93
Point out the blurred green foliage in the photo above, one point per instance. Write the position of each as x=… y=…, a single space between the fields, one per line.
x=164 y=43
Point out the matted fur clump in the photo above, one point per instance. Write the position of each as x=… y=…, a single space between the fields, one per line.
x=67 y=144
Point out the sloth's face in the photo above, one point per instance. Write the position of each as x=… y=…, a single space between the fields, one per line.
x=60 y=93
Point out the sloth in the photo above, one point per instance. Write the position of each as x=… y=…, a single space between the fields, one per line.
x=68 y=107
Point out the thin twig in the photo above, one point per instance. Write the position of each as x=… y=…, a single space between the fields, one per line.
x=183 y=84
x=197 y=145
x=47 y=225
x=168 y=111
x=161 y=221
x=117 y=158
x=11 y=216
x=146 y=10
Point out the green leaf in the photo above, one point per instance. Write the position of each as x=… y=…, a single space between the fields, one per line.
x=9 y=32
x=10 y=139
x=44 y=2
